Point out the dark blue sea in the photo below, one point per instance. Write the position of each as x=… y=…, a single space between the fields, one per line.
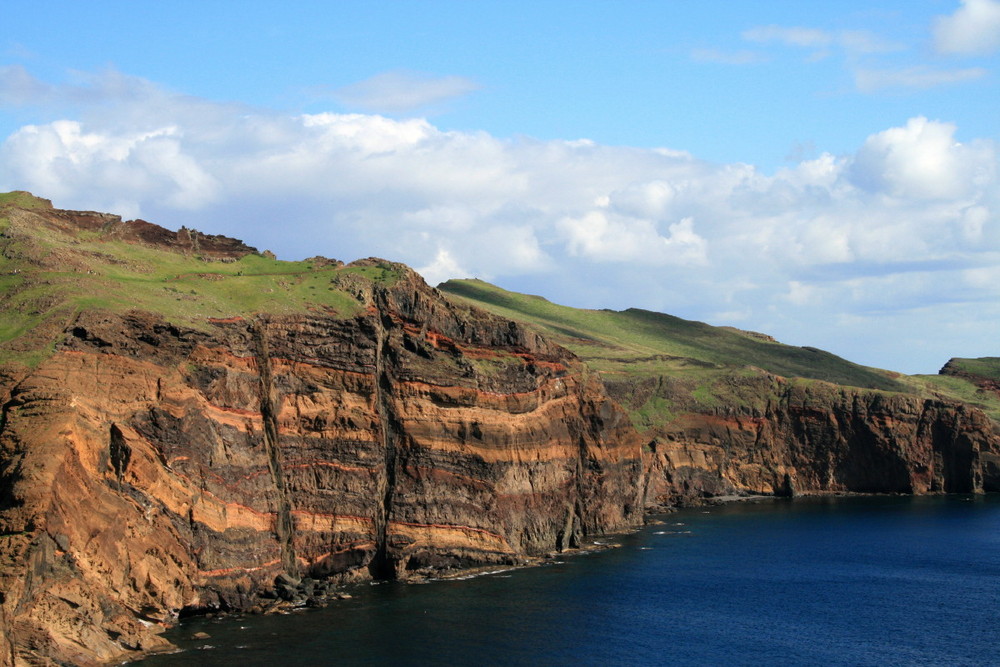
x=836 y=581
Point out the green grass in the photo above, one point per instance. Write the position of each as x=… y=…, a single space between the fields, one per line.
x=47 y=274
x=384 y=273
x=24 y=200
x=958 y=389
x=984 y=367
x=659 y=366
x=642 y=342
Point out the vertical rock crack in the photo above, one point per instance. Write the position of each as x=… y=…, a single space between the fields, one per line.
x=283 y=526
x=382 y=566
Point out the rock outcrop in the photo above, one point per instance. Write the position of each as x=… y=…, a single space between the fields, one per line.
x=150 y=470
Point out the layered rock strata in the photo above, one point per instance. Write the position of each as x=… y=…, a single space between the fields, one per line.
x=148 y=469
x=792 y=437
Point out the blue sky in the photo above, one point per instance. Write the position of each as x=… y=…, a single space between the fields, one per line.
x=826 y=172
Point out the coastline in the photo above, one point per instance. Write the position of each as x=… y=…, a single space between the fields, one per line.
x=598 y=543
x=663 y=566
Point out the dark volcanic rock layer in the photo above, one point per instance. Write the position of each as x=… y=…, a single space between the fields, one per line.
x=149 y=469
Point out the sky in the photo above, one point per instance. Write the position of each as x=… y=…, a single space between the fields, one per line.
x=824 y=172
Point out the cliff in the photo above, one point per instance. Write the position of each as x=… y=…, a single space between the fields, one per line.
x=151 y=468
x=983 y=373
x=801 y=437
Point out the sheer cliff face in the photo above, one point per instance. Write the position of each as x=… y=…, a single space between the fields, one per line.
x=815 y=438
x=148 y=469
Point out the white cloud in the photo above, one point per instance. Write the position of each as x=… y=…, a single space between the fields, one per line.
x=403 y=90
x=984 y=278
x=65 y=161
x=366 y=134
x=919 y=161
x=603 y=236
x=853 y=42
x=974 y=29
x=442 y=268
x=858 y=42
x=916 y=77
x=18 y=87
x=858 y=49
x=800 y=294
x=973 y=221
x=909 y=221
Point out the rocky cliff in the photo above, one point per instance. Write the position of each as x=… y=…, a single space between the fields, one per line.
x=796 y=437
x=150 y=469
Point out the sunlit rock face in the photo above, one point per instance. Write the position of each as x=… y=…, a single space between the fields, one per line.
x=150 y=469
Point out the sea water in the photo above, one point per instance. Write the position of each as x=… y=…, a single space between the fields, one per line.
x=834 y=581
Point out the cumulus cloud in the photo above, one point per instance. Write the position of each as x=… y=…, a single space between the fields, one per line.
x=403 y=90
x=63 y=159
x=920 y=161
x=442 y=268
x=826 y=250
x=602 y=236
x=974 y=29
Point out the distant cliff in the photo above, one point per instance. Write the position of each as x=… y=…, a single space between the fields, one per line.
x=189 y=425
x=811 y=437
x=151 y=469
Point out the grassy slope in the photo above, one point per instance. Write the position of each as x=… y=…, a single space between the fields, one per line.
x=612 y=340
x=967 y=388
x=987 y=368
x=24 y=200
x=705 y=365
x=47 y=276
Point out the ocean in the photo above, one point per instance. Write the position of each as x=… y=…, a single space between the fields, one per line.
x=817 y=581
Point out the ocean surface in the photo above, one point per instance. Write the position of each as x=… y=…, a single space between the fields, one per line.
x=837 y=581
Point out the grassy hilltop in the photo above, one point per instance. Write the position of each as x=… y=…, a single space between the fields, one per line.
x=660 y=363
x=54 y=264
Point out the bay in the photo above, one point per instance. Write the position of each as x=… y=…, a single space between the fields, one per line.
x=833 y=581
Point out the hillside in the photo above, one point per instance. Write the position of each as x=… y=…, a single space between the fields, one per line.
x=633 y=345
x=56 y=264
